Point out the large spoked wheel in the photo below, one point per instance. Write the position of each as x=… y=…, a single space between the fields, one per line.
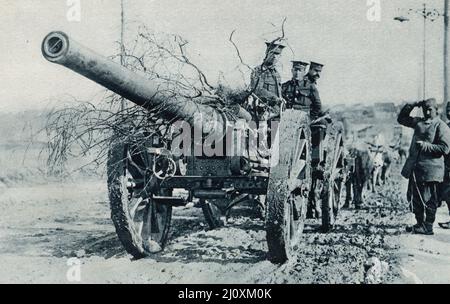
x=142 y=225
x=288 y=185
x=331 y=198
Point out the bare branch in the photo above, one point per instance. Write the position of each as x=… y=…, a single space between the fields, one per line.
x=238 y=52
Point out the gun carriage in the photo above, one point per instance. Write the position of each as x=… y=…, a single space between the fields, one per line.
x=144 y=177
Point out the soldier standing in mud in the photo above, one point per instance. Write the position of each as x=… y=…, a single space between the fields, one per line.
x=424 y=166
x=308 y=98
x=445 y=187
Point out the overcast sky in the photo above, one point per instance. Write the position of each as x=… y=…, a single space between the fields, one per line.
x=365 y=61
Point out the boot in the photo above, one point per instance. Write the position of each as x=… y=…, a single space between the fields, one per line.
x=420 y=219
x=445 y=225
x=426 y=229
x=429 y=228
x=413 y=227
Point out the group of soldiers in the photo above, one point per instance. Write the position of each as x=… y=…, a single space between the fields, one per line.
x=299 y=93
x=428 y=164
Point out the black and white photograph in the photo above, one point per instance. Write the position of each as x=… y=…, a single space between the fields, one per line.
x=189 y=142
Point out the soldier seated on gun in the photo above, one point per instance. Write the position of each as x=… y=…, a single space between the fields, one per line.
x=266 y=80
x=265 y=83
x=424 y=166
x=445 y=186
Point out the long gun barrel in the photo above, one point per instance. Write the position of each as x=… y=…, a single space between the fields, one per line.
x=58 y=48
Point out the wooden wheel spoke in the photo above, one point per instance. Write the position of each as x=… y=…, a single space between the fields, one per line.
x=140 y=226
x=299 y=149
x=336 y=157
x=134 y=205
x=131 y=162
x=336 y=186
x=295 y=213
x=295 y=209
x=331 y=198
x=298 y=163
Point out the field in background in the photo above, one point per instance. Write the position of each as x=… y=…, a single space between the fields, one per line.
x=24 y=153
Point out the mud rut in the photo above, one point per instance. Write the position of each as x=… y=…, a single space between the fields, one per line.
x=80 y=227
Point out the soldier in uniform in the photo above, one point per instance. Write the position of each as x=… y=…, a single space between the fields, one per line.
x=265 y=83
x=424 y=166
x=266 y=80
x=291 y=89
x=308 y=99
x=308 y=92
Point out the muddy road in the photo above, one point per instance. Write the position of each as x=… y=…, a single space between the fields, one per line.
x=44 y=226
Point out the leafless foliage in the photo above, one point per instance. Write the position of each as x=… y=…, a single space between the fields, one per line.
x=80 y=128
x=279 y=39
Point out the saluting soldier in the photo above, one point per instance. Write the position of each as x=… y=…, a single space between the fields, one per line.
x=424 y=166
x=291 y=89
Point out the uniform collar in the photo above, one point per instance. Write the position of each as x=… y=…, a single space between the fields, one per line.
x=269 y=67
x=307 y=79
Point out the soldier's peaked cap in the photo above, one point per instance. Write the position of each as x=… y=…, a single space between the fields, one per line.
x=315 y=64
x=430 y=102
x=274 y=47
x=298 y=64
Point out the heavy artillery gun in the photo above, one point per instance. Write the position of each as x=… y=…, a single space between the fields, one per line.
x=145 y=177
